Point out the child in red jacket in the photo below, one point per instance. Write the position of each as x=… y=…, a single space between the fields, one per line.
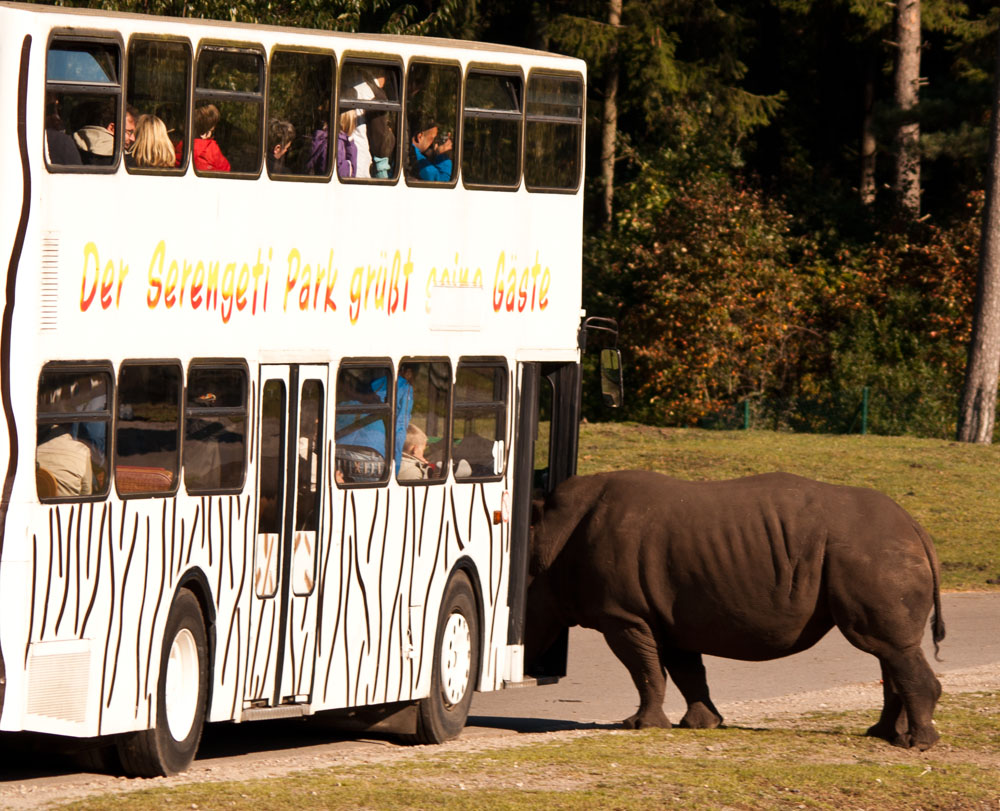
x=204 y=150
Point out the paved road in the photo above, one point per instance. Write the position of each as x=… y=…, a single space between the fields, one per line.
x=596 y=692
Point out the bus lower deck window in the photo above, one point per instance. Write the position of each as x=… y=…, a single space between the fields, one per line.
x=147 y=434
x=73 y=430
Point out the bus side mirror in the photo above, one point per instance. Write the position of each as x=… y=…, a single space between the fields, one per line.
x=611 y=377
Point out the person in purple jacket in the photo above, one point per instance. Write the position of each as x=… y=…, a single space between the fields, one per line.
x=347 y=152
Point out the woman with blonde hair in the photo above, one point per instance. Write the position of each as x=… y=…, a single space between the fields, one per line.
x=153 y=148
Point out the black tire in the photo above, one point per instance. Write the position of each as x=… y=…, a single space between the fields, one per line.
x=442 y=715
x=99 y=759
x=160 y=752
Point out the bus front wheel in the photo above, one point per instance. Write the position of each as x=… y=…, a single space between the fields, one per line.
x=442 y=715
x=182 y=697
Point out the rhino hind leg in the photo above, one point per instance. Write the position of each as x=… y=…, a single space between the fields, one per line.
x=911 y=693
x=893 y=722
x=636 y=648
x=688 y=672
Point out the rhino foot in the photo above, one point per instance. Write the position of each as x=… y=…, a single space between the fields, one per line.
x=885 y=731
x=921 y=740
x=649 y=718
x=699 y=716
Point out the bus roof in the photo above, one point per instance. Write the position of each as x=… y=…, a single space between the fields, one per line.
x=442 y=42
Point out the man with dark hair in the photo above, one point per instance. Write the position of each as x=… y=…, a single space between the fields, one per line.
x=96 y=141
x=280 y=135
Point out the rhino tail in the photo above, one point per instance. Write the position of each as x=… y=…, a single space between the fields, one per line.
x=564 y=509
x=937 y=623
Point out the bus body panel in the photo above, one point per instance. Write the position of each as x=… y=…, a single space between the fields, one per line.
x=126 y=266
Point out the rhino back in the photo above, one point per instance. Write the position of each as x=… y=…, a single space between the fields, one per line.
x=733 y=568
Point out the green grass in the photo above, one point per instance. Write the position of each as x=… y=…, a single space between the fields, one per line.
x=952 y=488
x=821 y=762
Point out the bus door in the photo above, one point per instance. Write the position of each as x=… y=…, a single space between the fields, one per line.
x=548 y=421
x=283 y=617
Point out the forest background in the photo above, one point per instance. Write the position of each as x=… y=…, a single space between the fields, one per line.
x=755 y=240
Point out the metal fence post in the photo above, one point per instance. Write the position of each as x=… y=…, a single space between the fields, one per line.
x=864 y=411
x=746 y=415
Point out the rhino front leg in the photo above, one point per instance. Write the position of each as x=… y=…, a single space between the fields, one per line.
x=636 y=647
x=688 y=672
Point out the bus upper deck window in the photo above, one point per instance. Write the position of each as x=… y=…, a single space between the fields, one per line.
x=480 y=419
x=431 y=122
x=553 y=132
x=147 y=432
x=74 y=420
x=227 y=122
x=215 y=428
x=159 y=74
x=491 y=130
x=300 y=91
x=369 y=117
x=83 y=121
x=364 y=413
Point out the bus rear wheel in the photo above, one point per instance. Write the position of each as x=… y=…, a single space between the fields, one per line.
x=182 y=697
x=442 y=715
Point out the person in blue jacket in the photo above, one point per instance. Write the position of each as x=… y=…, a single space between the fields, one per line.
x=431 y=153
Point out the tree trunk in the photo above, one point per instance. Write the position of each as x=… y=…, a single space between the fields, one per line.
x=907 y=83
x=609 y=125
x=979 y=396
x=866 y=187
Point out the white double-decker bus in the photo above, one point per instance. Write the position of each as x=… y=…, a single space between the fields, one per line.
x=281 y=311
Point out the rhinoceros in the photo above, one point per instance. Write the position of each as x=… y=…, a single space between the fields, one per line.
x=753 y=568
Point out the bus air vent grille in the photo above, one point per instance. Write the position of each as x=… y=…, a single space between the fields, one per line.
x=50 y=282
x=58 y=684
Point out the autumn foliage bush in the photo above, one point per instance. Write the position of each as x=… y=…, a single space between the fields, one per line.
x=721 y=300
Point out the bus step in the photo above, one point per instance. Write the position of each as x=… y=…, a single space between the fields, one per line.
x=269 y=713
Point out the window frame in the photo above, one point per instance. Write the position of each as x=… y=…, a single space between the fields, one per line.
x=385 y=60
x=113 y=91
x=224 y=411
x=489 y=69
x=176 y=171
x=580 y=123
x=180 y=427
x=502 y=407
x=212 y=95
x=83 y=367
x=456 y=157
x=389 y=405
x=335 y=76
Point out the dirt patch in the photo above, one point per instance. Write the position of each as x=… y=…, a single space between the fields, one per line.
x=789 y=712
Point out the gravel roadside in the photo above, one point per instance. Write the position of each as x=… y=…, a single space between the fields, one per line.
x=43 y=791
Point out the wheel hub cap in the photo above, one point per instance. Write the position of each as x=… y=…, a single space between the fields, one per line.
x=456 y=659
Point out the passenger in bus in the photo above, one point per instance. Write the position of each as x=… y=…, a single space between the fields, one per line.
x=153 y=148
x=131 y=120
x=60 y=149
x=374 y=137
x=319 y=142
x=347 y=151
x=96 y=140
x=205 y=151
x=280 y=135
x=431 y=153
x=414 y=464
x=66 y=459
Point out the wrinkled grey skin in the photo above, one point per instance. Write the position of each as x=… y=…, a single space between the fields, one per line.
x=752 y=569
